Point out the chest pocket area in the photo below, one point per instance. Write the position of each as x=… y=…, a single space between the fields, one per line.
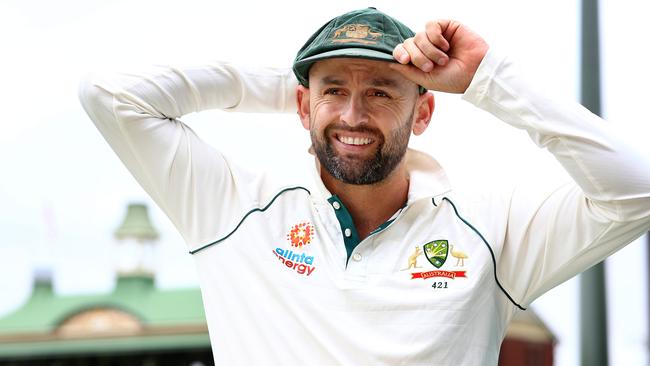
x=444 y=259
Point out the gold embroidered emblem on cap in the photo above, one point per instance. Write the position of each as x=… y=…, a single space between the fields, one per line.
x=360 y=33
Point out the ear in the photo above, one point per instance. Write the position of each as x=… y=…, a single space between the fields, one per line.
x=302 y=99
x=424 y=109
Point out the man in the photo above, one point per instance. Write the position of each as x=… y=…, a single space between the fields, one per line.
x=378 y=262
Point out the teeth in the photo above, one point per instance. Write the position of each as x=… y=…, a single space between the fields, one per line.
x=355 y=140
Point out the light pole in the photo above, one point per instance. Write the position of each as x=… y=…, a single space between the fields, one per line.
x=593 y=310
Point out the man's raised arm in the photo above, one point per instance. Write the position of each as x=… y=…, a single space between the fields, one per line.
x=549 y=236
x=191 y=182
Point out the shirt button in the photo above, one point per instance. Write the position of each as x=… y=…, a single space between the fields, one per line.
x=356 y=257
x=336 y=205
x=347 y=233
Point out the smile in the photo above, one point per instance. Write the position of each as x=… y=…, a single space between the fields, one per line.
x=357 y=141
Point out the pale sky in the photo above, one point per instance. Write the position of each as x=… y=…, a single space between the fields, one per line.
x=63 y=191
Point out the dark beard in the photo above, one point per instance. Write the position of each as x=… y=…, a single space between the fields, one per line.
x=358 y=171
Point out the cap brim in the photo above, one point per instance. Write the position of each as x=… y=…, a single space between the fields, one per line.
x=348 y=52
x=302 y=66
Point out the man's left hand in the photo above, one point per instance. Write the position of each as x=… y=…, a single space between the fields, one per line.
x=444 y=57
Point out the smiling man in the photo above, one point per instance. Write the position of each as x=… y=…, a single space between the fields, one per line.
x=360 y=114
x=350 y=93
x=357 y=268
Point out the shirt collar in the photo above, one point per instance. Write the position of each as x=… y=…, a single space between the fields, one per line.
x=427 y=178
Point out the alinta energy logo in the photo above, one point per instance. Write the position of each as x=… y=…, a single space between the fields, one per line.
x=299 y=236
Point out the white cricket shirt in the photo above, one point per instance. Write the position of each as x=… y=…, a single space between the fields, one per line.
x=284 y=278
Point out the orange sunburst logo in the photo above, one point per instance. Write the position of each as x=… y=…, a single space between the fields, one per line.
x=301 y=234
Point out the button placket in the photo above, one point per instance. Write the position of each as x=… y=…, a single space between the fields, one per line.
x=348 y=231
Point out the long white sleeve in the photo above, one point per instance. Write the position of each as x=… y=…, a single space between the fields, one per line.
x=193 y=183
x=552 y=236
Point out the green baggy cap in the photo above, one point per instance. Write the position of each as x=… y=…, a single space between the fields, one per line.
x=366 y=33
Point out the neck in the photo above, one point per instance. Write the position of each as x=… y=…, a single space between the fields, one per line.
x=373 y=204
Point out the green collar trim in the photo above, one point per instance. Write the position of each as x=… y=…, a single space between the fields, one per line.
x=382 y=226
x=347 y=225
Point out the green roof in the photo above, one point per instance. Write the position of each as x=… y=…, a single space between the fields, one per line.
x=165 y=318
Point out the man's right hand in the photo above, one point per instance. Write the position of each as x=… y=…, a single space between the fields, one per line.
x=444 y=57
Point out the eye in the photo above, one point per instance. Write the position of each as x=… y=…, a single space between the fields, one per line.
x=379 y=93
x=333 y=91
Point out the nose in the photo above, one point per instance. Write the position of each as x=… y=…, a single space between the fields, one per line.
x=355 y=112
